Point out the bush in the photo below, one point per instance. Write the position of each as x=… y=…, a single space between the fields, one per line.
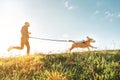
x=96 y=65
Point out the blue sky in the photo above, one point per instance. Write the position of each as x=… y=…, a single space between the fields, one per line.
x=62 y=19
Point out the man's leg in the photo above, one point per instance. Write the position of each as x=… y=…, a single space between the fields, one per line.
x=21 y=46
x=17 y=47
x=28 y=47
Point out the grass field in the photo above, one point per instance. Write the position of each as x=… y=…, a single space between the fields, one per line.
x=95 y=65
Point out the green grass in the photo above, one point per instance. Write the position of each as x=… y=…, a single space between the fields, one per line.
x=96 y=65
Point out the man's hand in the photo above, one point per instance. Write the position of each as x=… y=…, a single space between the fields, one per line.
x=29 y=32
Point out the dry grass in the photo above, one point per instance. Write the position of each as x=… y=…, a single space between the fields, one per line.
x=95 y=65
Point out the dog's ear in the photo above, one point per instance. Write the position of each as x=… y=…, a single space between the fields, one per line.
x=88 y=37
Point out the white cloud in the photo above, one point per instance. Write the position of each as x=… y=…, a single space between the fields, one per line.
x=67 y=5
x=97 y=12
x=118 y=15
x=109 y=14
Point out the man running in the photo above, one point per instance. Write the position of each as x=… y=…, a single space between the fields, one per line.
x=24 y=39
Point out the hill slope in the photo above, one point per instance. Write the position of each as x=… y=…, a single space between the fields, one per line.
x=96 y=65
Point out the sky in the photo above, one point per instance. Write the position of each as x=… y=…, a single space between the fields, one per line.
x=59 y=19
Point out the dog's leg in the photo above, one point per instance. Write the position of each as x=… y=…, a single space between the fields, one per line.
x=93 y=47
x=88 y=48
x=68 y=51
x=71 y=48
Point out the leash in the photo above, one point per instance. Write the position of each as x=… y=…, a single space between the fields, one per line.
x=49 y=39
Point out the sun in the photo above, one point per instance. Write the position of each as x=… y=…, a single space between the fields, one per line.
x=11 y=37
x=12 y=18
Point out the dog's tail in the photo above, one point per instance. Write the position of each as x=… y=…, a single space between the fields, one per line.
x=71 y=41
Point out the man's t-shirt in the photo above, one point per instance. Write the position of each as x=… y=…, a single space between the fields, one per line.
x=24 y=32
